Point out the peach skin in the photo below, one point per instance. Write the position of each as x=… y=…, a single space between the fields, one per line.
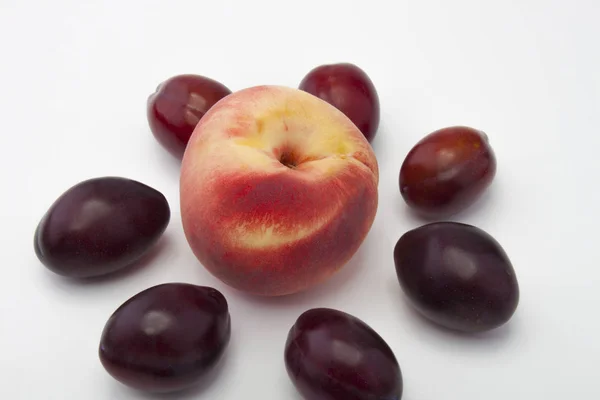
x=278 y=190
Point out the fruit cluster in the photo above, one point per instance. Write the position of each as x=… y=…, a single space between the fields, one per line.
x=278 y=191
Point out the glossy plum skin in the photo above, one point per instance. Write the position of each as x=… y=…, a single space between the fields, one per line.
x=100 y=226
x=174 y=110
x=332 y=355
x=167 y=337
x=457 y=276
x=447 y=171
x=350 y=90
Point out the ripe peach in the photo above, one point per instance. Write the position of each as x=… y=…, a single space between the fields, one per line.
x=278 y=190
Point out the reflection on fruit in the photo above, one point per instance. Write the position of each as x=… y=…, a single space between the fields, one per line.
x=332 y=355
x=350 y=90
x=447 y=171
x=457 y=275
x=167 y=337
x=178 y=104
x=99 y=226
x=278 y=190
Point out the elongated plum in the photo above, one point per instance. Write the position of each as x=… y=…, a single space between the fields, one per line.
x=447 y=171
x=332 y=355
x=176 y=107
x=457 y=276
x=349 y=89
x=167 y=337
x=99 y=226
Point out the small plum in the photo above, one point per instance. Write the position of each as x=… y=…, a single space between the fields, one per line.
x=447 y=171
x=177 y=106
x=350 y=90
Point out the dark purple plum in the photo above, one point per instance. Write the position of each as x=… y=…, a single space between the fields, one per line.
x=457 y=276
x=99 y=226
x=166 y=338
x=332 y=355
x=348 y=88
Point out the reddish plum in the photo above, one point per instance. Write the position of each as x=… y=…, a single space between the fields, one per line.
x=178 y=104
x=447 y=171
x=350 y=90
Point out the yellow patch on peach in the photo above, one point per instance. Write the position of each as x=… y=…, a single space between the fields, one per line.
x=265 y=236
x=286 y=127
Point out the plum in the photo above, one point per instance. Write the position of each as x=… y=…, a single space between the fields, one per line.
x=167 y=337
x=348 y=88
x=100 y=226
x=177 y=105
x=457 y=275
x=447 y=171
x=333 y=355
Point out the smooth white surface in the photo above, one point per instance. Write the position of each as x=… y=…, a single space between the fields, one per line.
x=74 y=80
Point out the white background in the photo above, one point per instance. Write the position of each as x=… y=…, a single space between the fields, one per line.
x=74 y=78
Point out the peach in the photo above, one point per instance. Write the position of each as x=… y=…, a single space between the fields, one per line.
x=278 y=190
